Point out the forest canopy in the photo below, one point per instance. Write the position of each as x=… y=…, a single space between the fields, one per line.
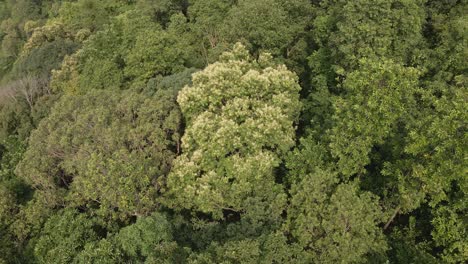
x=233 y=131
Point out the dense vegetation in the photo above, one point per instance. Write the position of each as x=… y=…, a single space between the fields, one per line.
x=233 y=131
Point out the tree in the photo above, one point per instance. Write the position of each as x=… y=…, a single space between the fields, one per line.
x=330 y=219
x=8 y=208
x=13 y=194
x=376 y=98
x=106 y=151
x=408 y=246
x=90 y=15
x=102 y=251
x=268 y=248
x=207 y=18
x=267 y=25
x=150 y=239
x=41 y=60
x=437 y=141
x=345 y=32
x=161 y=11
x=240 y=116
x=15 y=117
x=131 y=50
x=353 y=151
x=64 y=236
x=349 y=31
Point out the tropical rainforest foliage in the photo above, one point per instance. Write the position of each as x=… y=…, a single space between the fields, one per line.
x=233 y=131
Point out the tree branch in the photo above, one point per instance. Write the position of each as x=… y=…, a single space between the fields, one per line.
x=397 y=210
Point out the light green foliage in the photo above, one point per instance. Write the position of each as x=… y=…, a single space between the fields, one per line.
x=352 y=30
x=23 y=10
x=65 y=79
x=45 y=50
x=15 y=14
x=270 y=26
x=267 y=25
x=7 y=246
x=437 y=138
x=407 y=245
x=169 y=83
x=450 y=232
x=103 y=251
x=347 y=32
x=88 y=14
x=15 y=119
x=47 y=33
x=149 y=239
x=269 y=248
x=130 y=50
x=11 y=153
x=7 y=206
x=437 y=144
x=207 y=17
x=12 y=192
x=425 y=160
x=206 y=28
x=63 y=237
x=41 y=60
x=334 y=222
x=8 y=209
x=43 y=106
x=32 y=215
x=245 y=251
x=105 y=149
x=240 y=117
x=162 y=10
x=404 y=138
x=448 y=34
x=375 y=98
x=155 y=52
x=11 y=40
x=378 y=174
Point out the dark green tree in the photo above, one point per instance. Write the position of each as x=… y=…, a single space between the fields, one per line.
x=105 y=150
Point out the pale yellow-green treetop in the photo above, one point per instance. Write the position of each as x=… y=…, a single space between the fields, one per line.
x=240 y=115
